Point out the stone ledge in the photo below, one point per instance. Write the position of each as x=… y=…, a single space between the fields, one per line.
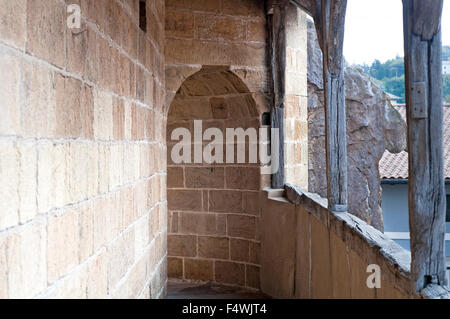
x=396 y=257
x=435 y=292
x=314 y=204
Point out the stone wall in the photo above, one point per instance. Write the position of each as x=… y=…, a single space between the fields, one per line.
x=310 y=252
x=82 y=171
x=296 y=121
x=214 y=211
x=213 y=208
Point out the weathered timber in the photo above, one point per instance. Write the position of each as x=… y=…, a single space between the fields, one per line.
x=278 y=178
x=329 y=18
x=277 y=31
x=423 y=65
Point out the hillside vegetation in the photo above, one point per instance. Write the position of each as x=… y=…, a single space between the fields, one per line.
x=390 y=75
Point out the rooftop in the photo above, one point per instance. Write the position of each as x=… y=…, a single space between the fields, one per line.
x=395 y=166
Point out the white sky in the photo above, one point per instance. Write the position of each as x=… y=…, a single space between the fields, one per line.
x=374 y=30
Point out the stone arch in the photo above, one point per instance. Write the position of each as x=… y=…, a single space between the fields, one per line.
x=214 y=213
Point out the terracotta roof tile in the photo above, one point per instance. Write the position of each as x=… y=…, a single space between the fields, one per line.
x=395 y=166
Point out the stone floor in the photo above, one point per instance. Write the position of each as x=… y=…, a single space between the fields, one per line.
x=185 y=290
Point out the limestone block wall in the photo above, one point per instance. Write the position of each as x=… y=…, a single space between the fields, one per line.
x=296 y=108
x=231 y=34
x=309 y=252
x=82 y=172
x=214 y=208
x=217 y=32
x=214 y=212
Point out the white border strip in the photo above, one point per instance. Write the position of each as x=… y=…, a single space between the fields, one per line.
x=405 y=235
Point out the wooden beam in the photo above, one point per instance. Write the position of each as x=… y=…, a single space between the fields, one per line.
x=330 y=24
x=277 y=31
x=423 y=66
x=306 y=5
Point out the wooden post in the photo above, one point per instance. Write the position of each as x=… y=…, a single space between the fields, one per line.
x=277 y=32
x=329 y=17
x=423 y=66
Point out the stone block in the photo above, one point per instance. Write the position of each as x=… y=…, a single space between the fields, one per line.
x=73 y=286
x=9 y=171
x=219 y=108
x=195 y=5
x=257 y=31
x=91 y=71
x=3 y=270
x=137 y=278
x=180 y=24
x=129 y=34
x=175 y=177
x=184 y=200
x=87 y=112
x=303 y=260
x=26 y=256
x=76 y=49
x=321 y=280
x=230 y=273
x=9 y=88
x=113 y=13
x=340 y=268
x=104 y=159
x=45 y=30
x=251 y=203
x=225 y=201
x=175 y=267
x=68 y=107
x=214 y=247
x=182 y=245
x=198 y=269
x=63 y=244
x=86 y=231
x=239 y=250
x=120 y=257
x=250 y=8
x=241 y=226
x=204 y=177
x=220 y=28
x=213 y=53
x=103 y=115
x=201 y=224
x=358 y=279
x=142 y=235
x=13 y=29
x=252 y=276
x=53 y=191
x=243 y=178
x=97 y=281
x=277 y=248
x=39 y=110
x=198 y=108
x=255 y=253
x=27 y=181
x=118 y=119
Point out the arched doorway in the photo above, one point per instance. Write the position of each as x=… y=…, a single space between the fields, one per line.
x=214 y=212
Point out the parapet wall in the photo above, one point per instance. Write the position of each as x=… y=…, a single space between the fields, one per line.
x=309 y=252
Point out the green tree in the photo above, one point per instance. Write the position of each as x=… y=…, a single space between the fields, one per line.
x=390 y=75
x=445 y=53
x=396 y=86
x=446 y=88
